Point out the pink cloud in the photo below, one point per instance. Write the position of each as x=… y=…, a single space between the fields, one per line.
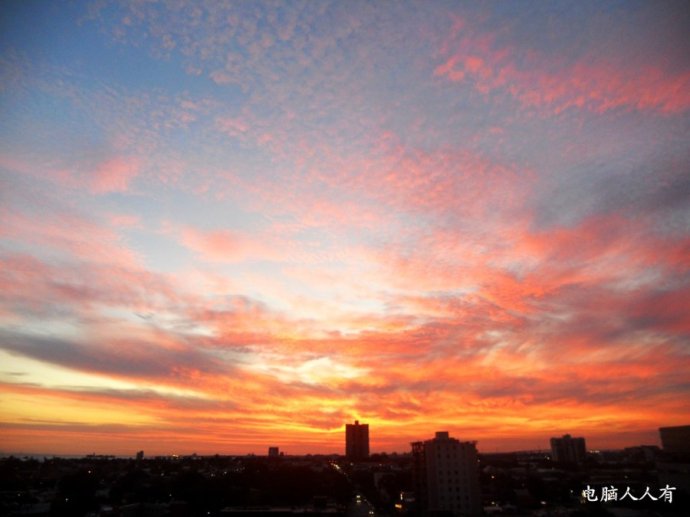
x=408 y=179
x=69 y=234
x=111 y=175
x=124 y=220
x=232 y=126
x=222 y=78
x=224 y=245
x=114 y=175
x=82 y=287
x=595 y=82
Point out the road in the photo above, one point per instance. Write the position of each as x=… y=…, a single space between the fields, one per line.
x=359 y=506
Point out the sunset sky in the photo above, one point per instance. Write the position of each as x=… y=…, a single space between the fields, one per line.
x=229 y=226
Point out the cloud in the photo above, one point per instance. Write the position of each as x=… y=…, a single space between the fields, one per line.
x=114 y=175
x=225 y=245
x=124 y=221
x=120 y=357
x=68 y=234
x=598 y=80
x=98 y=176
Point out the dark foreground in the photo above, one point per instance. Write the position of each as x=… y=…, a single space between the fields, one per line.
x=511 y=484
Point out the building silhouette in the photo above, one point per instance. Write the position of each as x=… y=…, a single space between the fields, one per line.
x=568 y=449
x=673 y=465
x=446 y=476
x=273 y=452
x=357 y=441
x=675 y=440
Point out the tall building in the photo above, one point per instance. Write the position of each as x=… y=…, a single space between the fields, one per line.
x=447 y=476
x=673 y=466
x=357 y=441
x=568 y=449
x=273 y=452
x=675 y=439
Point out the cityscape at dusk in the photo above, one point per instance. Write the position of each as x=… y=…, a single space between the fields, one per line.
x=229 y=226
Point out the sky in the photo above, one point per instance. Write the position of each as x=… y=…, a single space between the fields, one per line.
x=228 y=226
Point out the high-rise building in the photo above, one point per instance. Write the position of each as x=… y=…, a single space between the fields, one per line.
x=673 y=466
x=447 y=476
x=675 y=439
x=356 y=441
x=273 y=452
x=568 y=449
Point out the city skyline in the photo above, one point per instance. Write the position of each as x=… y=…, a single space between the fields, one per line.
x=230 y=226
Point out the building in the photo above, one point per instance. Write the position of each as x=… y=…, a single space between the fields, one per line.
x=568 y=449
x=675 y=440
x=357 y=441
x=447 y=476
x=673 y=465
x=273 y=452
